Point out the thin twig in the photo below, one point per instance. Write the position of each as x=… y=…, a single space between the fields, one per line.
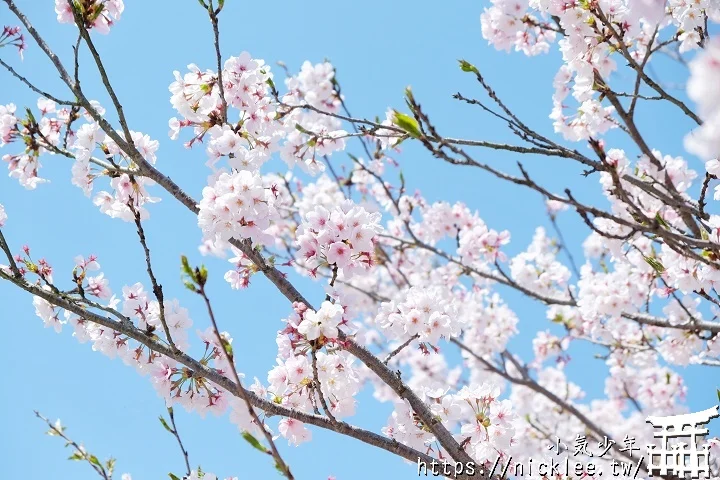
x=229 y=357
x=36 y=89
x=157 y=288
x=216 y=35
x=400 y=348
x=175 y=433
x=6 y=248
x=80 y=452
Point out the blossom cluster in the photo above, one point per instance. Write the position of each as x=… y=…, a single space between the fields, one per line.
x=129 y=195
x=173 y=382
x=507 y=24
x=478 y=244
x=341 y=238
x=538 y=268
x=294 y=383
x=703 y=89
x=13 y=36
x=98 y=15
x=429 y=276
x=25 y=166
x=486 y=422
x=587 y=43
x=52 y=134
x=266 y=122
x=429 y=313
x=237 y=205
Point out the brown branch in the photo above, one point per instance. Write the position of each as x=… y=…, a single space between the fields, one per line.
x=240 y=391
x=11 y=260
x=80 y=452
x=529 y=382
x=101 y=68
x=641 y=72
x=157 y=288
x=125 y=327
x=213 y=13
x=34 y=88
x=317 y=386
x=176 y=434
x=400 y=348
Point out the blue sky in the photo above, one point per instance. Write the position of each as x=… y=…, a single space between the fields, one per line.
x=379 y=48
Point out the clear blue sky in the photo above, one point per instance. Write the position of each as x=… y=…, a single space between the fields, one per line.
x=379 y=48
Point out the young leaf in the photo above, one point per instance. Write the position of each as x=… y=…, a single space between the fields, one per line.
x=254 y=442
x=655 y=264
x=186 y=267
x=466 y=66
x=165 y=424
x=407 y=123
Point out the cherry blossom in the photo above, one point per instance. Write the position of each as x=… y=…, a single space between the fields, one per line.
x=342 y=238
x=294 y=431
x=237 y=205
x=99 y=15
x=324 y=322
x=701 y=89
x=416 y=297
x=13 y=36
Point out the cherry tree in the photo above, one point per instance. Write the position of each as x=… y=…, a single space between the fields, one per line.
x=402 y=281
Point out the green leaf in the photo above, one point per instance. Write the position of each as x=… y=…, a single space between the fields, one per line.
x=254 y=442
x=661 y=221
x=165 y=424
x=409 y=95
x=407 y=123
x=173 y=476
x=30 y=116
x=96 y=14
x=718 y=394
x=655 y=264
x=94 y=460
x=186 y=266
x=75 y=457
x=466 y=66
x=302 y=129
x=221 y=4
x=202 y=275
x=110 y=465
x=228 y=347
